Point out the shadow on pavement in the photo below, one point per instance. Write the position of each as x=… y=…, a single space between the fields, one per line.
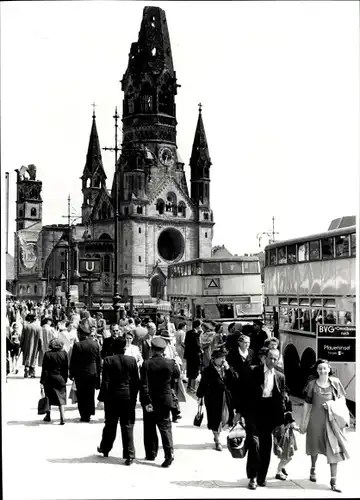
x=195 y=446
x=27 y=423
x=243 y=483
x=91 y=459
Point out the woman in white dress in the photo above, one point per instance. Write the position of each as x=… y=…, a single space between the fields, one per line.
x=131 y=349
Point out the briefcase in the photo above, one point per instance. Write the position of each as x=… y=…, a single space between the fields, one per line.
x=236 y=441
x=43 y=405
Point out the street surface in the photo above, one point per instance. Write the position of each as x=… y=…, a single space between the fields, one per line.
x=49 y=461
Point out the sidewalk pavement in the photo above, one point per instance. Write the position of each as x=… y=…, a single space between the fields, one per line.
x=49 y=461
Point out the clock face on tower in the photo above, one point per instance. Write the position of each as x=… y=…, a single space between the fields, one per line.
x=166 y=156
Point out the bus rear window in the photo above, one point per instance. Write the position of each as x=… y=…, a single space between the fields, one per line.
x=211 y=267
x=282 y=255
x=273 y=257
x=314 y=250
x=251 y=267
x=231 y=268
x=327 y=246
x=291 y=254
x=342 y=246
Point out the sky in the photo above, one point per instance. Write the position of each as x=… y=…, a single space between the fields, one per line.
x=279 y=85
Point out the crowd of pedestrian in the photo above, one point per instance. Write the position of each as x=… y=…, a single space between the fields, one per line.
x=237 y=372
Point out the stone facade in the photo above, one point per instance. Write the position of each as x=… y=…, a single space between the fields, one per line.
x=159 y=221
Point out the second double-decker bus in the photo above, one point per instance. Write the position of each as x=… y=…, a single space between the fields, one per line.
x=311 y=281
x=221 y=289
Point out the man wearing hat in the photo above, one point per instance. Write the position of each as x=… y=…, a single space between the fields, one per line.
x=85 y=369
x=258 y=337
x=157 y=377
x=30 y=344
x=119 y=389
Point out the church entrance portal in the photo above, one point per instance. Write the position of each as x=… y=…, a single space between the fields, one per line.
x=157 y=287
x=171 y=244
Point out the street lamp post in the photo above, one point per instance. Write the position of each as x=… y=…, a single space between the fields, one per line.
x=270 y=234
x=116 y=297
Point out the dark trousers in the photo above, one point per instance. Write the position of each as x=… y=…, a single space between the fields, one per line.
x=85 y=392
x=160 y=418
x=127 y=431
x=259 y=429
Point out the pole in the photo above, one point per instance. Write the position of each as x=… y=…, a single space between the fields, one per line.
x=273 y=229
x=116 y=211
x=7 y=211
x=68 y=269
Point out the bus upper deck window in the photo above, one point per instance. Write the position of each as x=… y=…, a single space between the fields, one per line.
x=291 y=254
x=314 y=250
x=342 y=246
x=327 y=246
x=251 y=267
x=282 y=255
x=303 y=252
x=211 y=267
x=353 y=245
x=273 y=257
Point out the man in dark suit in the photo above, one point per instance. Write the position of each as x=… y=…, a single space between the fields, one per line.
x=240 y=357
x=108 y=343
x=193 y=354
x=145 y=343
x=119 y=389
x=263 y=410
x=258 y=336
x=85 y=369
x=157 y=377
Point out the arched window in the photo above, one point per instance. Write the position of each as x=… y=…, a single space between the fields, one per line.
x=35 y=289
x=171 y=203
x=21 y=213
x=182 y=209
x=97 y=181
x=28 y=289
x=160 y=206
x=33 y=212
x=107 y=263
x=104 y=236
x=139 y=210
x=87 y=183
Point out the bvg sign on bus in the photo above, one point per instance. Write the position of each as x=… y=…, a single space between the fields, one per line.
x=336 y=343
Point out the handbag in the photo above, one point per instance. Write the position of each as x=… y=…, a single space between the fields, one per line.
x=200 y=415
x=72 y=393
x=236 y=441
x=43 y=405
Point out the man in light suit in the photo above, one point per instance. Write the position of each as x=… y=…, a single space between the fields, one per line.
x=119 y=389
x=263 y=410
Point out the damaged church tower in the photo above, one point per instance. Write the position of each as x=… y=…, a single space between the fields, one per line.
x=159 y=222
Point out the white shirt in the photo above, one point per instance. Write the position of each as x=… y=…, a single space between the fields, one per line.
x=244 y=354
x=133 y=350
x=268 y=382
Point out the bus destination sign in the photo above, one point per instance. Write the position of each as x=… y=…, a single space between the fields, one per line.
x=336 y=343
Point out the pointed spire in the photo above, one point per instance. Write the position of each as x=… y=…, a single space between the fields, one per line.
x=200 y=152
x=93 y=157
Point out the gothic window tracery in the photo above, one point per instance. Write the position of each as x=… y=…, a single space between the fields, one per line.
x=182 y=209
x=106 y=263
x=33 y=212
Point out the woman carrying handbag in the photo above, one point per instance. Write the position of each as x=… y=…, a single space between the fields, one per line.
x=214 y=387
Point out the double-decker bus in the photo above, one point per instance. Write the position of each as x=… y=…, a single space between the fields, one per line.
x=310 y=281
x=221 y=289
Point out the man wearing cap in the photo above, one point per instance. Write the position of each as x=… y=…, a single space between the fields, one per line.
x=30 y=344
x=157 y=377
x=119 y=389
x=85 y=370
x=258 y=337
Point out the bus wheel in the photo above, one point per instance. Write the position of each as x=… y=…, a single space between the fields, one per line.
x=308 y=359
x=292 y=370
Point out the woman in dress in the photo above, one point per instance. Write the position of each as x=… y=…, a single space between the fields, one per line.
x=322 y=395
x=215 y=386
x=54 y=376
x=130 y=348
x=180 y=346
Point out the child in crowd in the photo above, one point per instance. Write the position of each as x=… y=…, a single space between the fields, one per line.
x=284 y=440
